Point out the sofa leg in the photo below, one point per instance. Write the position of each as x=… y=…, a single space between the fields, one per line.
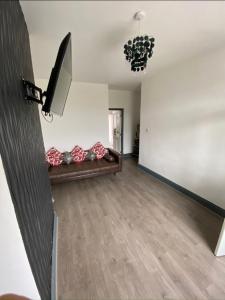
x=114 y=174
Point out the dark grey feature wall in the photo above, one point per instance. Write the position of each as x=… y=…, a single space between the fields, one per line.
x=21 y=146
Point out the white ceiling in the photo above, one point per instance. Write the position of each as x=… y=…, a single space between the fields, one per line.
x=182 y=29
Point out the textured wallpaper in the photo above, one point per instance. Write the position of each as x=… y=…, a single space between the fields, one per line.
x=21 y=146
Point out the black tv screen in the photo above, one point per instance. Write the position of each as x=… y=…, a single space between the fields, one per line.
x=60 y=79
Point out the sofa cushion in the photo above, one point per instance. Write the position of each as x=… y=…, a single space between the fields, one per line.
x=84 y=169
x=78 y=154
x=109 y=158
x=90 y=155
x=54 y=157
x=99 y=150
x=67 y=157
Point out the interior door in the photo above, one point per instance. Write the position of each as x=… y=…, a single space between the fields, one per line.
x=115 y=129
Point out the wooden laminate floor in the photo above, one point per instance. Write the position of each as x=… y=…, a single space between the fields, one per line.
x=130 y=236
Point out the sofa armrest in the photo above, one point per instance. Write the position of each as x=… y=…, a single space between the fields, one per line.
x=117 y=156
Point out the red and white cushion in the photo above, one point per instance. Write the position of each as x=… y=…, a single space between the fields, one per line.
x=54 y=157
x=78 y=154
x=99 y=150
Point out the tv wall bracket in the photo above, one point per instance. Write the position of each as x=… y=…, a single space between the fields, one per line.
x=32 y=93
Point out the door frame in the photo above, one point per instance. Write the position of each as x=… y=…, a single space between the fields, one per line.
x=122 y=124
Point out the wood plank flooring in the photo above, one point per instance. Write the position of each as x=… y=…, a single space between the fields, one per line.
x=130 y=236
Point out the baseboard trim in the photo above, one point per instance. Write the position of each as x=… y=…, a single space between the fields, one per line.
x=54 y=259
x=220 y=211
x=127 y=155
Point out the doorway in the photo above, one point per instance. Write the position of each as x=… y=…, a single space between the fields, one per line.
x=115 y=118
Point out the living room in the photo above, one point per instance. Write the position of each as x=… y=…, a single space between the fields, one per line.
x=120 y=194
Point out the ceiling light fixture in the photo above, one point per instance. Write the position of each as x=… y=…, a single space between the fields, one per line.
x=139 y=50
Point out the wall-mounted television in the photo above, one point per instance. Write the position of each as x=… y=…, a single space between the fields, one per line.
x=59 y=82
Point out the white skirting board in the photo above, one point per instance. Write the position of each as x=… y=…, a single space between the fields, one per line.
x=220 y=247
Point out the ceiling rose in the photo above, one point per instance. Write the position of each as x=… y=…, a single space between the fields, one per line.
x=139 y=49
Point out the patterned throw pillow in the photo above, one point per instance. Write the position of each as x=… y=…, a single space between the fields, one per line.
x=99 y=150
x=67 y=157
x=90 y=155
x=78 y=154
x=54 y=157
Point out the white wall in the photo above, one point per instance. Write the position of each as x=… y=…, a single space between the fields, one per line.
x=130 y=102
x=85 y=118
x=15 y=272
x=184 y=109
x=220 y=247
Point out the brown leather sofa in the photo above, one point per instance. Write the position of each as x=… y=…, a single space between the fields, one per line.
x=86 y=169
